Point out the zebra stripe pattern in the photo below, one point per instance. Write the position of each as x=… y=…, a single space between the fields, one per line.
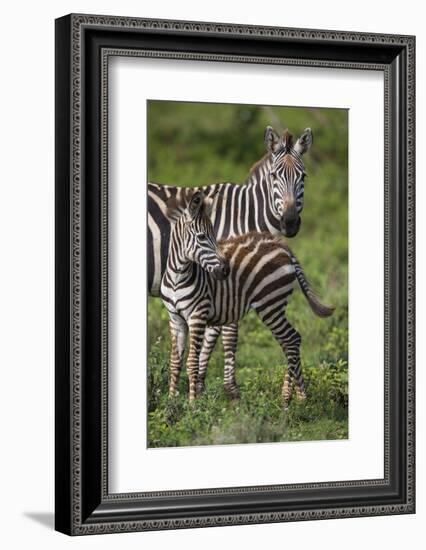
x=211 y=284
x=270 y=201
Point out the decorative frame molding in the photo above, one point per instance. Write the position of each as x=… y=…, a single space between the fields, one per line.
x=84 y=43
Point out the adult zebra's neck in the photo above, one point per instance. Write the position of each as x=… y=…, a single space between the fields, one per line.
x=260 y=169
x=246 y=207
x=254 y=208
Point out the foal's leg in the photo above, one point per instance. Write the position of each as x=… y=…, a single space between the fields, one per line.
x=196 y=334
x=290 y=340
x=178 y=334
x=230 y=340
x=292 y=346
x=211 y=335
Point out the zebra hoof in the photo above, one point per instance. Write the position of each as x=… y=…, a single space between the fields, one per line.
x=233 y=392
x=200 y=389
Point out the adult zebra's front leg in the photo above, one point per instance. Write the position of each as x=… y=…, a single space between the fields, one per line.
x=178 y=334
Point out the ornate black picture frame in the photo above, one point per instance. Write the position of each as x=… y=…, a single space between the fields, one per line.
x=83 y=45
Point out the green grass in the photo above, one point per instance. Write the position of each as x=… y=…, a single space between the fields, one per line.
x=196 y=144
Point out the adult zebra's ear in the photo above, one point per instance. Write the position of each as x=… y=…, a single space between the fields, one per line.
x=304 y=142
x=195 y=204
x=272 y=140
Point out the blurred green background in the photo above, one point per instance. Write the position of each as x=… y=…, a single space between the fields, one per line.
x=193 y=144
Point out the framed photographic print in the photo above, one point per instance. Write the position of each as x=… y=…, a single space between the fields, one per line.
x=234 y=274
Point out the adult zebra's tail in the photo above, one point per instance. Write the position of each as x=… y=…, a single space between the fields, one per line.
x=317 y=307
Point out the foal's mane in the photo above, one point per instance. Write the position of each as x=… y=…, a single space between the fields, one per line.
x=175 y=205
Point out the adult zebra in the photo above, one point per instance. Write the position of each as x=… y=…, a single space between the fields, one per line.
x=209 y=284
x=271 y=200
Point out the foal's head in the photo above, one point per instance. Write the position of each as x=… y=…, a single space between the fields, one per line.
x=197 y=238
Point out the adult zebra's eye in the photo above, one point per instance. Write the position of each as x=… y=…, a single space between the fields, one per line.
x=202 y=237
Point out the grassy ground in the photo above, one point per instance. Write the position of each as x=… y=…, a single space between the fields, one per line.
x=196 y=144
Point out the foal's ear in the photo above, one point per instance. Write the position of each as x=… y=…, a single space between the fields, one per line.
x=208 y=206
x=304 y=142
x=195 y=204
x=272 y=140
x=211 y=202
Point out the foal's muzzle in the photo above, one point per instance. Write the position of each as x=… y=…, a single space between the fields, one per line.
x=221 y=271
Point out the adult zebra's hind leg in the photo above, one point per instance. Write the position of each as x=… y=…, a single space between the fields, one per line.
x=211 y=335
x=290 y=340
x=178 y=335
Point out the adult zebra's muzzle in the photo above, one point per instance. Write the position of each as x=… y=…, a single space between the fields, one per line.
x=221 y=271
x=290 y=225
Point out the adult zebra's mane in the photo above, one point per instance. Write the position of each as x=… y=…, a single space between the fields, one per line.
x=255 y=167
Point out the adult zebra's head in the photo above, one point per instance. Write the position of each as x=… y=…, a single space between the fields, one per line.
x=286 y=175
x=198 y=238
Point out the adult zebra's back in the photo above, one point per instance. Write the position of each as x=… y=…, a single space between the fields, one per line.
x=271 y=200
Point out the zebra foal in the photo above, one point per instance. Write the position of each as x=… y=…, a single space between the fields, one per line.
x=210 y=284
